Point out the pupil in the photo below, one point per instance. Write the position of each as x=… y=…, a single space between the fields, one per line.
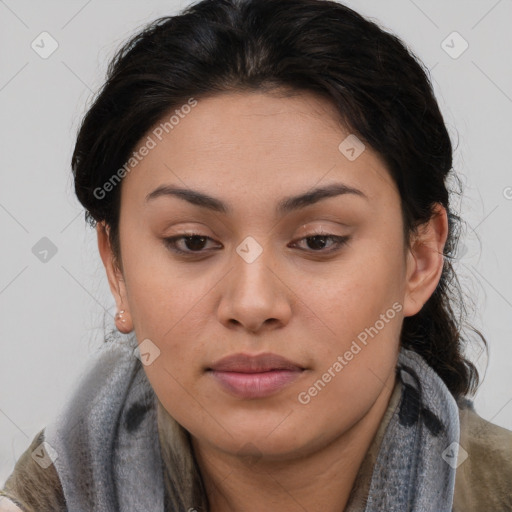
x=321 y=237
x=194 y=245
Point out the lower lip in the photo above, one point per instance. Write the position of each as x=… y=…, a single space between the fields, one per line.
x=255 y=385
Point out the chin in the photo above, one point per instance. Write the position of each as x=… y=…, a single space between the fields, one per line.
x=262 y=441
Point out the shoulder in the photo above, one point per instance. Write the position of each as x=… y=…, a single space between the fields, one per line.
x=484 y=464
x=34 y=484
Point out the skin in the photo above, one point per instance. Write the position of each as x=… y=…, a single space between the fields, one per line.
x=296 y=299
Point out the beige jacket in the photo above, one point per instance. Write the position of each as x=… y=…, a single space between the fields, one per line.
x=483 y=479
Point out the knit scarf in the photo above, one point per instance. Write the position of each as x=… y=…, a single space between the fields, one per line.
x=106 y=450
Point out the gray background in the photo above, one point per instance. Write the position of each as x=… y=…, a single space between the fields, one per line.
x=52 y=312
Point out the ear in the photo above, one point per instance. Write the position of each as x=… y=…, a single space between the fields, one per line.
x=115 y=277
x=425 y=261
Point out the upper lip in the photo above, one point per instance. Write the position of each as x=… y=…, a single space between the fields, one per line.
x=245 y=363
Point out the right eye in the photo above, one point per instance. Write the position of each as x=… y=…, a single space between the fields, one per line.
x=193 y=243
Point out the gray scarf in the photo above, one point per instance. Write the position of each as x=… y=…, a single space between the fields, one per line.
x=108 y=452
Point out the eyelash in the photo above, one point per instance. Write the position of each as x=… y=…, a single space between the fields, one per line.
x=340 y=241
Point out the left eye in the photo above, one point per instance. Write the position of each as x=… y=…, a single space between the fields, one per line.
x=194 y=242
x=321 y=238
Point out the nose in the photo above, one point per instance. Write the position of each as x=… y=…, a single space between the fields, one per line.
x=255 y=297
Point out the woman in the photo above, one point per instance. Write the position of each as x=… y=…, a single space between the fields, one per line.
x=267 y=180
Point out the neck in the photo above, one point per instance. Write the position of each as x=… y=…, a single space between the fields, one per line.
x=320 y=480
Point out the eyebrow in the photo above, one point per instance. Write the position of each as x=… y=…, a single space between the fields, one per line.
x=286 y=205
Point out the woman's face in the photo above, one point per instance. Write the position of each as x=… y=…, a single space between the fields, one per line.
x=250 y=166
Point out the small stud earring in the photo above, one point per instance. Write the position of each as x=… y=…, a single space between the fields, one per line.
x=119 y=315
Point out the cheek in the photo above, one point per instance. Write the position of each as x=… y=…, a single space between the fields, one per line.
x=355 y=295
x=357 y=315
x=356 y=343
x=163 y=295
x=176 y=391
x=337 y=402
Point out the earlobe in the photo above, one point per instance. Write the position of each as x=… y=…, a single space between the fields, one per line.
x=425 y=261
x=115 y=278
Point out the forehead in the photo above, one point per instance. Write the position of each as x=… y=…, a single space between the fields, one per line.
x=256 y=143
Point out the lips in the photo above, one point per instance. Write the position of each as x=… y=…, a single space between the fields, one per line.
x=254 y=364
x=259 y=376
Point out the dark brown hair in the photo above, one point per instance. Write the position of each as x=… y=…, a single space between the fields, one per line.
x=381 y=91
